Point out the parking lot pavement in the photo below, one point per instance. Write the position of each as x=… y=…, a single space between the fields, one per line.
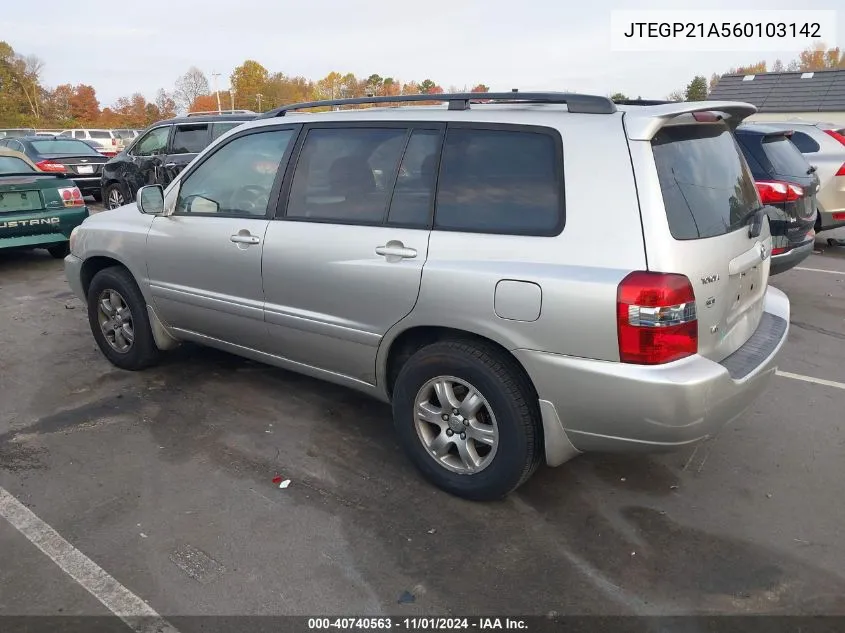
x=163 y=479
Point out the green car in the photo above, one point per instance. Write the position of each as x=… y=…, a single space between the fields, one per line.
x=37 y=209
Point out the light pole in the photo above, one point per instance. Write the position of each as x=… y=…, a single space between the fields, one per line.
x=258 y=96
x=216 y=91
x=232 y=98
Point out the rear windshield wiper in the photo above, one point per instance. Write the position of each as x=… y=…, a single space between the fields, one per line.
x=754 y=219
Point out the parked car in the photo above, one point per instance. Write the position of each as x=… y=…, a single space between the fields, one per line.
x=37 y=209
x=126 y=136
x=16 y=132
x=79 y=160
x=787 y=185
x=823 y=145
x=438 y=258
x=110 y=144
x=161 y=152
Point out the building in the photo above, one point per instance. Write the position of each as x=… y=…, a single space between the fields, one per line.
x=812 y=96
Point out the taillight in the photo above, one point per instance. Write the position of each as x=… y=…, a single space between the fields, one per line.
x=841 y=171
x=775 y=191
x=71 y=196
x=839 y=137
x=780 y=250
x=46 y=165
x=114 y=141
x=839 y=216
x=656 y=318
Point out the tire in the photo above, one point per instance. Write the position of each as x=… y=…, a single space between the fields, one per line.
x=59 y=251
x=507 y=394
x=113 y=194
x=142 y=352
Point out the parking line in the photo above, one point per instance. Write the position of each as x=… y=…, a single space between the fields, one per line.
x=821 y=270
x=134 y=612
x=818 y=381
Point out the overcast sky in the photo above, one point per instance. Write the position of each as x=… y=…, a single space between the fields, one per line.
x=143 y=45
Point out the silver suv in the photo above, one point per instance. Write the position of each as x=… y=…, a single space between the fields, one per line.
x=444 y=259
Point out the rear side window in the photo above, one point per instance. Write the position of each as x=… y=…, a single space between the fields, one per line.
x=804 y=143
x=219 y=129
x=190 y=139
x=101 y=134
x=12 y=165
x=706 y=185
x=785 y=158
x=499 y=181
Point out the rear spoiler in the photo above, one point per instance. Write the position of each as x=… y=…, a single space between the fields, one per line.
x=643 y=123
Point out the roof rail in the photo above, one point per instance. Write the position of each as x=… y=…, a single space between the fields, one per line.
x=641 y=102
x=213 y=112
x=577 y=103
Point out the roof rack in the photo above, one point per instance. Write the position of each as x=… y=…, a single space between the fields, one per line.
x=641 y=102
x=214 y=112
x=577 y=103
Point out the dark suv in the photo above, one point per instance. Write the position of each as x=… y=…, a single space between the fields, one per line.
x=787 y=185
x=161 y=152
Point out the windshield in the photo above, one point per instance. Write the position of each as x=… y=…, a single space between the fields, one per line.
x=706 y=185
x=64 y=146
x=12 y=165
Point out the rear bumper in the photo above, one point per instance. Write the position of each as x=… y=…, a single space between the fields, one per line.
x=783 y=262
x=87 y=183
x=39 y=228
x=591 y=405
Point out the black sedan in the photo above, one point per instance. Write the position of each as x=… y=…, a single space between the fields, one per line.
x=81 y=162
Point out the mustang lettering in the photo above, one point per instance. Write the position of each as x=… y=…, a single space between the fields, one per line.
x=12 y=224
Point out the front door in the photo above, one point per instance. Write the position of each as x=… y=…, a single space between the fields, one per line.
x=204 y=260
x=187 y=141
x=147 y=157
x=343 y=261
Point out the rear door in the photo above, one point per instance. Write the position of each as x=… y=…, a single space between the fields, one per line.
x=187 y=141
x=696 y=195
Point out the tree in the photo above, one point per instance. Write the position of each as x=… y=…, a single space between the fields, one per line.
x=676 y=95
x=391 y=87
x=190 y=86
x=83 y=104
x=204 y=103
x=411 y=88
x=751 y=69
x=777 y=67
x=166 y=104
x=819 y=57
x=375 y=84
x=714 y=80
x=248 y=80
x=20 y=91
x=427 y=87
x=696 y=89
x=481 y=88
x=618 y=96
x=793 y=66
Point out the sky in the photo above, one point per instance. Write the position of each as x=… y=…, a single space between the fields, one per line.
x=527 y=44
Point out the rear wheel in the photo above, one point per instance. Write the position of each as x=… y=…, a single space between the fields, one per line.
x=59 y=251
x=114 y=196
x=117 y=314
x=467 y=417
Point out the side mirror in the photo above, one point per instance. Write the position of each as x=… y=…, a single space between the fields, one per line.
x=150 y=199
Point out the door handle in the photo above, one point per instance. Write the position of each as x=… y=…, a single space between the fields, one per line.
x=169 y=165
x=395 y=250
x=239 y=238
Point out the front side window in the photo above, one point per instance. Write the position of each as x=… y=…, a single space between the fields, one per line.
x=346 y=174
x=237 y=178
x=499 y=181
x=190 y=139
x=152 y=143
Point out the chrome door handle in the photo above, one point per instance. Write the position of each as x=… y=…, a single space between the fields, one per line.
x=169 y=165
x=395 y=251
x=245 y=239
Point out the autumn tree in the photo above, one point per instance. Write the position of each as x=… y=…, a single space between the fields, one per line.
x=696 y=89
x=676 y=95
x=819 y=57
x=248 y=80
x=375 y=85
x=427 y=87
x=281 y=89
x=391 y=87
x=190 y=86
x=83 y=104
x=204 y=103
x=166 y=104
x=481 y=88
x=20 y=90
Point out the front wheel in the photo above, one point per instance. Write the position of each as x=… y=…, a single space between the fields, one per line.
x=468 y=418
x=117 y=314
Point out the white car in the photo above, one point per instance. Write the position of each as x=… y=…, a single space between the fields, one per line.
x=109 y=143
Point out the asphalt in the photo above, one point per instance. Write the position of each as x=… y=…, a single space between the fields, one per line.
x=163 y=478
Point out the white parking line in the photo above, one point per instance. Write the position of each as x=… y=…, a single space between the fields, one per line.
x=818 y=381
x=136 y=613
x=821 y=270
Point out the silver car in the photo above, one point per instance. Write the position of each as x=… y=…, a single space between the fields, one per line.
x=443 y=259
x=823 y=145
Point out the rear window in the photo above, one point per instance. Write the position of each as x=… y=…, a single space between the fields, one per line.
x=190 y=139
x=12 y=165
x=499 y=181
x=804 y=143
x=786 y=159
x=63 y=146
x=99 y=134
x=706 y=185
